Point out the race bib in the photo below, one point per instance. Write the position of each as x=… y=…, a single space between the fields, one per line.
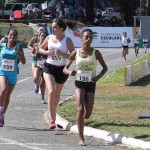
x=8 y=65
x=40 y=63
x=84 y=76
x=56 y=59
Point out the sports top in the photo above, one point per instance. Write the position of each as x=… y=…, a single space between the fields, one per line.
x=86 y=64
x=9 y=60
x=56 y=59
x=124 y=41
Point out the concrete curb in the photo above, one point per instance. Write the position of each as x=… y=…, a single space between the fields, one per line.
x=101 y=134
x=63 y=102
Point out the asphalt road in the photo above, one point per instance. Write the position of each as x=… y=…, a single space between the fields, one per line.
x=25 y=128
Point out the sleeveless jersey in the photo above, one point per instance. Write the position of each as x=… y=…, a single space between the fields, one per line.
x=124 y=41
x=40 y=59
x=86 y=67
x=9 y=60
x=145 y=40
x=56 y=59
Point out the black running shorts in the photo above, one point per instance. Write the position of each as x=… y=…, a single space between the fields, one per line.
x=87 y=86
x=56 y=71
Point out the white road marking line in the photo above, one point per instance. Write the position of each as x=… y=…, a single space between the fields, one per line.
x=40 y=144
x=29 y=109
x=25 y=69
x=6 y=143
x=20 y=144
x=20 y=81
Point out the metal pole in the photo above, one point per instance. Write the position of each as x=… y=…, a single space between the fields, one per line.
x=140 y=7
x=134 y=30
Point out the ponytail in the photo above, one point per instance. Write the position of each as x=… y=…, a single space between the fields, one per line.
x=72 y=24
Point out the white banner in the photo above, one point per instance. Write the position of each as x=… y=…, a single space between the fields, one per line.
x=103 y=36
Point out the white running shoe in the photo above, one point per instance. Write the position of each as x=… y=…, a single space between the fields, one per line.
x=43 y=101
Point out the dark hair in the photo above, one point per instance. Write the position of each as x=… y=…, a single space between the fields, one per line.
x=72 y=24
x=13 y=30
x=87 y=30
x=43 y=32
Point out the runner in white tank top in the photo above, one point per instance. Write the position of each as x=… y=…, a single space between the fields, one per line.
x=125 y=42
x=59 y=47
x=55 y=59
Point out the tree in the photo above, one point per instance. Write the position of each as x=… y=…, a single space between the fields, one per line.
x=89 y=10
x=2 y=7
x=128 y=9
x=147 y=5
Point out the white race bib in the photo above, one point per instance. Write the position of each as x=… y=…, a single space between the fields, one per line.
x=84 y=76
x=55 y=59
x=8 y=65
x=40 y=63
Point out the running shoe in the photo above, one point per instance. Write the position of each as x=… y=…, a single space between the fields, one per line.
x=1 y=118
x=52 y=124
x=43 y=101
x=36 y=89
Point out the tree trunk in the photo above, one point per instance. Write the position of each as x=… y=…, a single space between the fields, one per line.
x=89 y=10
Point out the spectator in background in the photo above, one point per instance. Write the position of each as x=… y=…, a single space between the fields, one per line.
x=36 y=12
x=29 y=9
x=66 y=11
x=58 y=7
x=81 y=13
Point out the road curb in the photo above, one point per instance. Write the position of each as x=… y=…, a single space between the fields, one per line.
x=102 y=134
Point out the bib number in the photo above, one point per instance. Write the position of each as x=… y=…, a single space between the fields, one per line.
x=56 y=59
x=40 y=63
x=84 y=76
x=8 y=65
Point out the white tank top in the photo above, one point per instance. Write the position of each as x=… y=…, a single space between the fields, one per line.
x=56 y=59
x=86 y=64
x=124 y=41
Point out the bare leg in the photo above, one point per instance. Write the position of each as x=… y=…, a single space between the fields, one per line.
x=6 y=102
x=124 y=54
x=89 y=104
x=57 y=94
x=80 y=100
x=5 y=92
x=43 y=87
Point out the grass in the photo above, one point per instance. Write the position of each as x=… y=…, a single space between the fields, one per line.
x=117 y=106
x=25 y=33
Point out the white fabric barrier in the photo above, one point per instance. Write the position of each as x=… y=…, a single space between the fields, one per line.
x=103 y=36
x=136 y=71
